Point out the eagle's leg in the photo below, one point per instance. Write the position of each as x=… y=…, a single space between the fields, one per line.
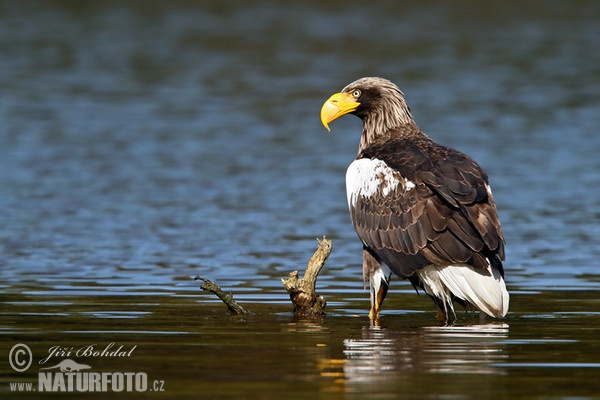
x=446 y=314
x=442 y=316
x=379 y=288
x=379 y=277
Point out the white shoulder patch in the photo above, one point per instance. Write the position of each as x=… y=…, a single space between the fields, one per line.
x=366 y=177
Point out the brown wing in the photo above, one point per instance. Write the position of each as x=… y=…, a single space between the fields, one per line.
x=414 y=206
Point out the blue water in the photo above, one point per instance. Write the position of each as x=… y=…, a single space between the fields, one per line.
x=141 y=135
x=144 y=143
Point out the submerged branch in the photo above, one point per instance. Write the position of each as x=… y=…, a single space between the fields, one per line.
x=231 y=304
x=302 y=290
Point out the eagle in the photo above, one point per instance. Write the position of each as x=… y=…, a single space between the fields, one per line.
x=423 y=211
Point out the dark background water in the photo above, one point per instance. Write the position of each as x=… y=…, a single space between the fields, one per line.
x=142 y=143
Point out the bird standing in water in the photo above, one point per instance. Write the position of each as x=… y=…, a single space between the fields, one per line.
x=423 y=211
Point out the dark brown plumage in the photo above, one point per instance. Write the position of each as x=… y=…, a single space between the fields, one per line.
x=422 y=209
x=448 y=217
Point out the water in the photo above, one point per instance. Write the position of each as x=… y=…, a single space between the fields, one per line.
x=144 y=143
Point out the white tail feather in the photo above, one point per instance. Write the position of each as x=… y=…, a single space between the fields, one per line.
x=486 y=292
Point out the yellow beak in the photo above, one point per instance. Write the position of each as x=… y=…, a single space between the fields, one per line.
x=337 y=105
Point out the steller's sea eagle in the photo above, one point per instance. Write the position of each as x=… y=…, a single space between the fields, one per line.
x=422 y=211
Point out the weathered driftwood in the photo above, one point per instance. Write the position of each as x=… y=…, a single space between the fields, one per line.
x=302 y=290
x=231 y=304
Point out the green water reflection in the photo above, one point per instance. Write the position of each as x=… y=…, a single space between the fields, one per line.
x=547 y=347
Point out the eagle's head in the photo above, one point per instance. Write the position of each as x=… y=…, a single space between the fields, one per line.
x=377 y=101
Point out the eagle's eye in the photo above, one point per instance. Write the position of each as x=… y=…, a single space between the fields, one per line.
x=356 y=93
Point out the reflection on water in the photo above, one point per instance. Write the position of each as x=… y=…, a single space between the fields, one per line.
x=193 y=344
x=380 y=354
x=465 y=349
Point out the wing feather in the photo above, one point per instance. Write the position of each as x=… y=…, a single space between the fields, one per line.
x=412 y=207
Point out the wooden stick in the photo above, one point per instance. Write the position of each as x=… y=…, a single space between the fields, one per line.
x=302 y=290
x=231 y=304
